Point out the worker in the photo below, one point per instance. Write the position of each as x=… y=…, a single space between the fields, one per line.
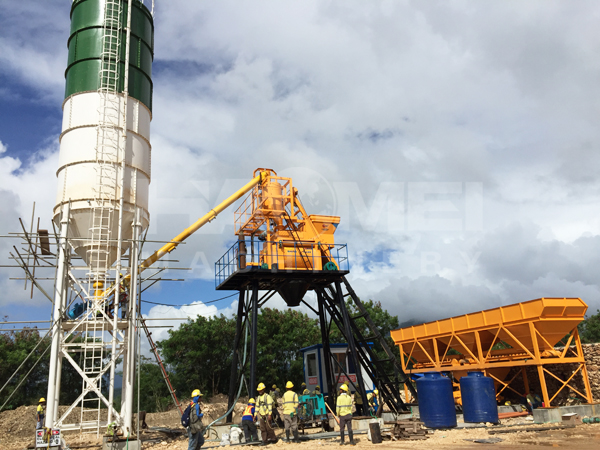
x=372 y=401
x=344 y=412
x=275 y=393
x=196 y=430
x=248 y=425
x=40 y=414
x=317 y=390
x=304 y=390
x=265 y=408
x=358 y=402
x=290 y=405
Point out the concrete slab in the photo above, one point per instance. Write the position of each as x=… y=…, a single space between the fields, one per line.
x=547 y=415
x=509 y=408
x=582 y=410
x=121 y=444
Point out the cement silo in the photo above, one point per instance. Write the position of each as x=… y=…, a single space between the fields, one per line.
x=101 y=209
x=104 y=167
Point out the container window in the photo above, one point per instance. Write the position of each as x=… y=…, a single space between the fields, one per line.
x=311 y=362
x=341 y=359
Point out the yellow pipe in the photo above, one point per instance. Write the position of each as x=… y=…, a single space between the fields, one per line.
x=208 y=217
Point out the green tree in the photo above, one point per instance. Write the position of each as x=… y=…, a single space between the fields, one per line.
x=589 y=329
x=14 y=348
x=383 y=320
x=154 y=393
x=199 y=354
x=281 y=335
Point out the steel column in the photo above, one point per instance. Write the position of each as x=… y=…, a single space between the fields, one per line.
x=326 y=349
x=235 y=357
x=59 y=296
x=254 y=339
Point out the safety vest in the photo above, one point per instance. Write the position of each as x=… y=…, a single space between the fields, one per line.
x=290 y=402
x=265 y=404
x=344 y=405
x=249 y=413
x=372 y=399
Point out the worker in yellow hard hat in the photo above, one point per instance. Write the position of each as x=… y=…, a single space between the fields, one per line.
x=317 y=390
x=264 y=403
x=290 y=417
x=304 y=390
x=373 y=402
x=40 y=414
x=195 y=428
x=344 y=412
x=248 y=422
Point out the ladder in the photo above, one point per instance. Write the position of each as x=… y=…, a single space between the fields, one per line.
x=161 y=365
x=386 y=373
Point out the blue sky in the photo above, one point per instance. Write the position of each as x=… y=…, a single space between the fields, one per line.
x=458 y=141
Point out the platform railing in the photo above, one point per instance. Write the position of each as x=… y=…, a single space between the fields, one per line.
x=254 y=254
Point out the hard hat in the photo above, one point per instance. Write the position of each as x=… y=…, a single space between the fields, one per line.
x=274 y=386
x=303 y=385
x=347 y=383
x=98 y=284
x=343 y=387
x=318 y=388
x=260 y=387
x=376 y=392
x=196 y=393
x=252 y=401
x=42 y=400
x=289 y=385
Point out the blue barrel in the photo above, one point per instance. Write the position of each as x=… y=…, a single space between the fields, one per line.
x=436 y=401
x=478 y=398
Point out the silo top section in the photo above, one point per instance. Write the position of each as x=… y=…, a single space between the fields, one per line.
x=88 y=48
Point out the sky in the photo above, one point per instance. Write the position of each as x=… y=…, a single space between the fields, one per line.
x=457 y=141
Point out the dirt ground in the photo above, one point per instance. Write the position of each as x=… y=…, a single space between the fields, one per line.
x=18 y=427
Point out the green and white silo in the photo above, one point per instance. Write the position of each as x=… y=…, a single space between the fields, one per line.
x=102 y=206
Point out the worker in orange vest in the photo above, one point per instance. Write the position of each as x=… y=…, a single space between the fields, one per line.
x=248 y=422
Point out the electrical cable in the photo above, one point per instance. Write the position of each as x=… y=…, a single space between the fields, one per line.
x=191 y=304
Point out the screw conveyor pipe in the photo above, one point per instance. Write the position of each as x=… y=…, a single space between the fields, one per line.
x=208 y=217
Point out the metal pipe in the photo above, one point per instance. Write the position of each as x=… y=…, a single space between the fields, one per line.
x=53 y=389
x=131 y=341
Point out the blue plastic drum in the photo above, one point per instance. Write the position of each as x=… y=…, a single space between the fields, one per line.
x=478 y=398
x=436 y=401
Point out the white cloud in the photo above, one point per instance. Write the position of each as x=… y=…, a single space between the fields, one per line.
x=349 y=96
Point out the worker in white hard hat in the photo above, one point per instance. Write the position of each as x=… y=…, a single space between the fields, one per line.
x=196 y=429
x=344 y=412
x=373 y=401
x=40 y=414
x=290 y=417
x=264 y=403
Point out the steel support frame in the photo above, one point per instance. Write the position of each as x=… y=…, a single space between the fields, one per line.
x=366 y=358
x=487 y=361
